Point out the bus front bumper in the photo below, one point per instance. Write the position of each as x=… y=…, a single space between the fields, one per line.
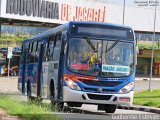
x=70 y=95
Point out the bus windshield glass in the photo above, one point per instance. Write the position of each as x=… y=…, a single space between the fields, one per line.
x=100 y=57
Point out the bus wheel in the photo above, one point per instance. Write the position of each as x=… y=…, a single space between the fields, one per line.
x=110 y=108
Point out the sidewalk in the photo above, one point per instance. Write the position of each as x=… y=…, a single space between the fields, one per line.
x=8 y=85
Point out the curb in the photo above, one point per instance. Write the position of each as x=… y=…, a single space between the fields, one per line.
x=151 y=110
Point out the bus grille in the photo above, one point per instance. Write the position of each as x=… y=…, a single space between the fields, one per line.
x=101 y=83
x=96 y=90
x=99 y=97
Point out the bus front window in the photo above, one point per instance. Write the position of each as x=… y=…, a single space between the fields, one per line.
x=100 y=57
x=117 y=59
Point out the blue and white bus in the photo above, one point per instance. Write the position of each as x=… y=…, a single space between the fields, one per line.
x=80 y=63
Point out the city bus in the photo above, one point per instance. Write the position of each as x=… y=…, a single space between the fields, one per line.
x=80 y=63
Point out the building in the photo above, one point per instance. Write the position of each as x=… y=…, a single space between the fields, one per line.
x=35 y=16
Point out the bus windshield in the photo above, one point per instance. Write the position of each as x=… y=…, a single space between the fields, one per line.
x=107 y=58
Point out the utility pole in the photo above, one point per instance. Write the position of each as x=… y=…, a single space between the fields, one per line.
x=158 y=45
x=0 y=26
x=153 y=39
x=124 y=5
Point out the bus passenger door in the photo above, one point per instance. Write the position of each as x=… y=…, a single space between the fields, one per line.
x=57 y=66
x=50 y=65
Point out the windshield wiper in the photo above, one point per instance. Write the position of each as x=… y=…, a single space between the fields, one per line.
x=113 y=45
x=90 y=43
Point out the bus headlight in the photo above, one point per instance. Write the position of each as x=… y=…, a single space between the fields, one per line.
x=71 y=84
x=126 y=88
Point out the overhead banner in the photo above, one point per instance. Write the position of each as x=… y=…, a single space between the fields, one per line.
x=54 y=11
x=139 y=17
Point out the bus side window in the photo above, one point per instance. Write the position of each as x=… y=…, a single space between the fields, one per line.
x=29 y=53
x=57 y=47
x=46 y=51
x=34 y=51
x=51 y=47
x=37 y=52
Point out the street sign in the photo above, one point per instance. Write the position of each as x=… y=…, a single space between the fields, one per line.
x=9 y=54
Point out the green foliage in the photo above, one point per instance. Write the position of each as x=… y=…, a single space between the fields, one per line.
x=12 y=40
x=147 y=98
x=12 y=37
x=27 y=110
x=149 y=46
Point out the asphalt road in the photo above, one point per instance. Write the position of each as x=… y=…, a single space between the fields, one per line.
x=89 y=112
x=86 y=112
x=144 y=84
x=8 y=86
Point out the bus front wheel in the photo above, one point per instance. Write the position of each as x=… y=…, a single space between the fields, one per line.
x=110 y=108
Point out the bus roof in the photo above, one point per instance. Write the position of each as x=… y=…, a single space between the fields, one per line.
x=66 y=26
x=100 y=23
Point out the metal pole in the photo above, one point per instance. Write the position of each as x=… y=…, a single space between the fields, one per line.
x=153 y=39
x=158 y=45
x=8 y=66
x=124 y=4
x=0 y=26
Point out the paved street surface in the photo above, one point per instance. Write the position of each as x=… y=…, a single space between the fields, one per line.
x=86 y=112
x=8 y=85
x=89 y=112
x=144 y=84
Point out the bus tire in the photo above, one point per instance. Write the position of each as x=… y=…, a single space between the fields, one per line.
x=110 y=108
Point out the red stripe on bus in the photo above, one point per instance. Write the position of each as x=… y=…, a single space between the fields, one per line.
x=75 y=77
